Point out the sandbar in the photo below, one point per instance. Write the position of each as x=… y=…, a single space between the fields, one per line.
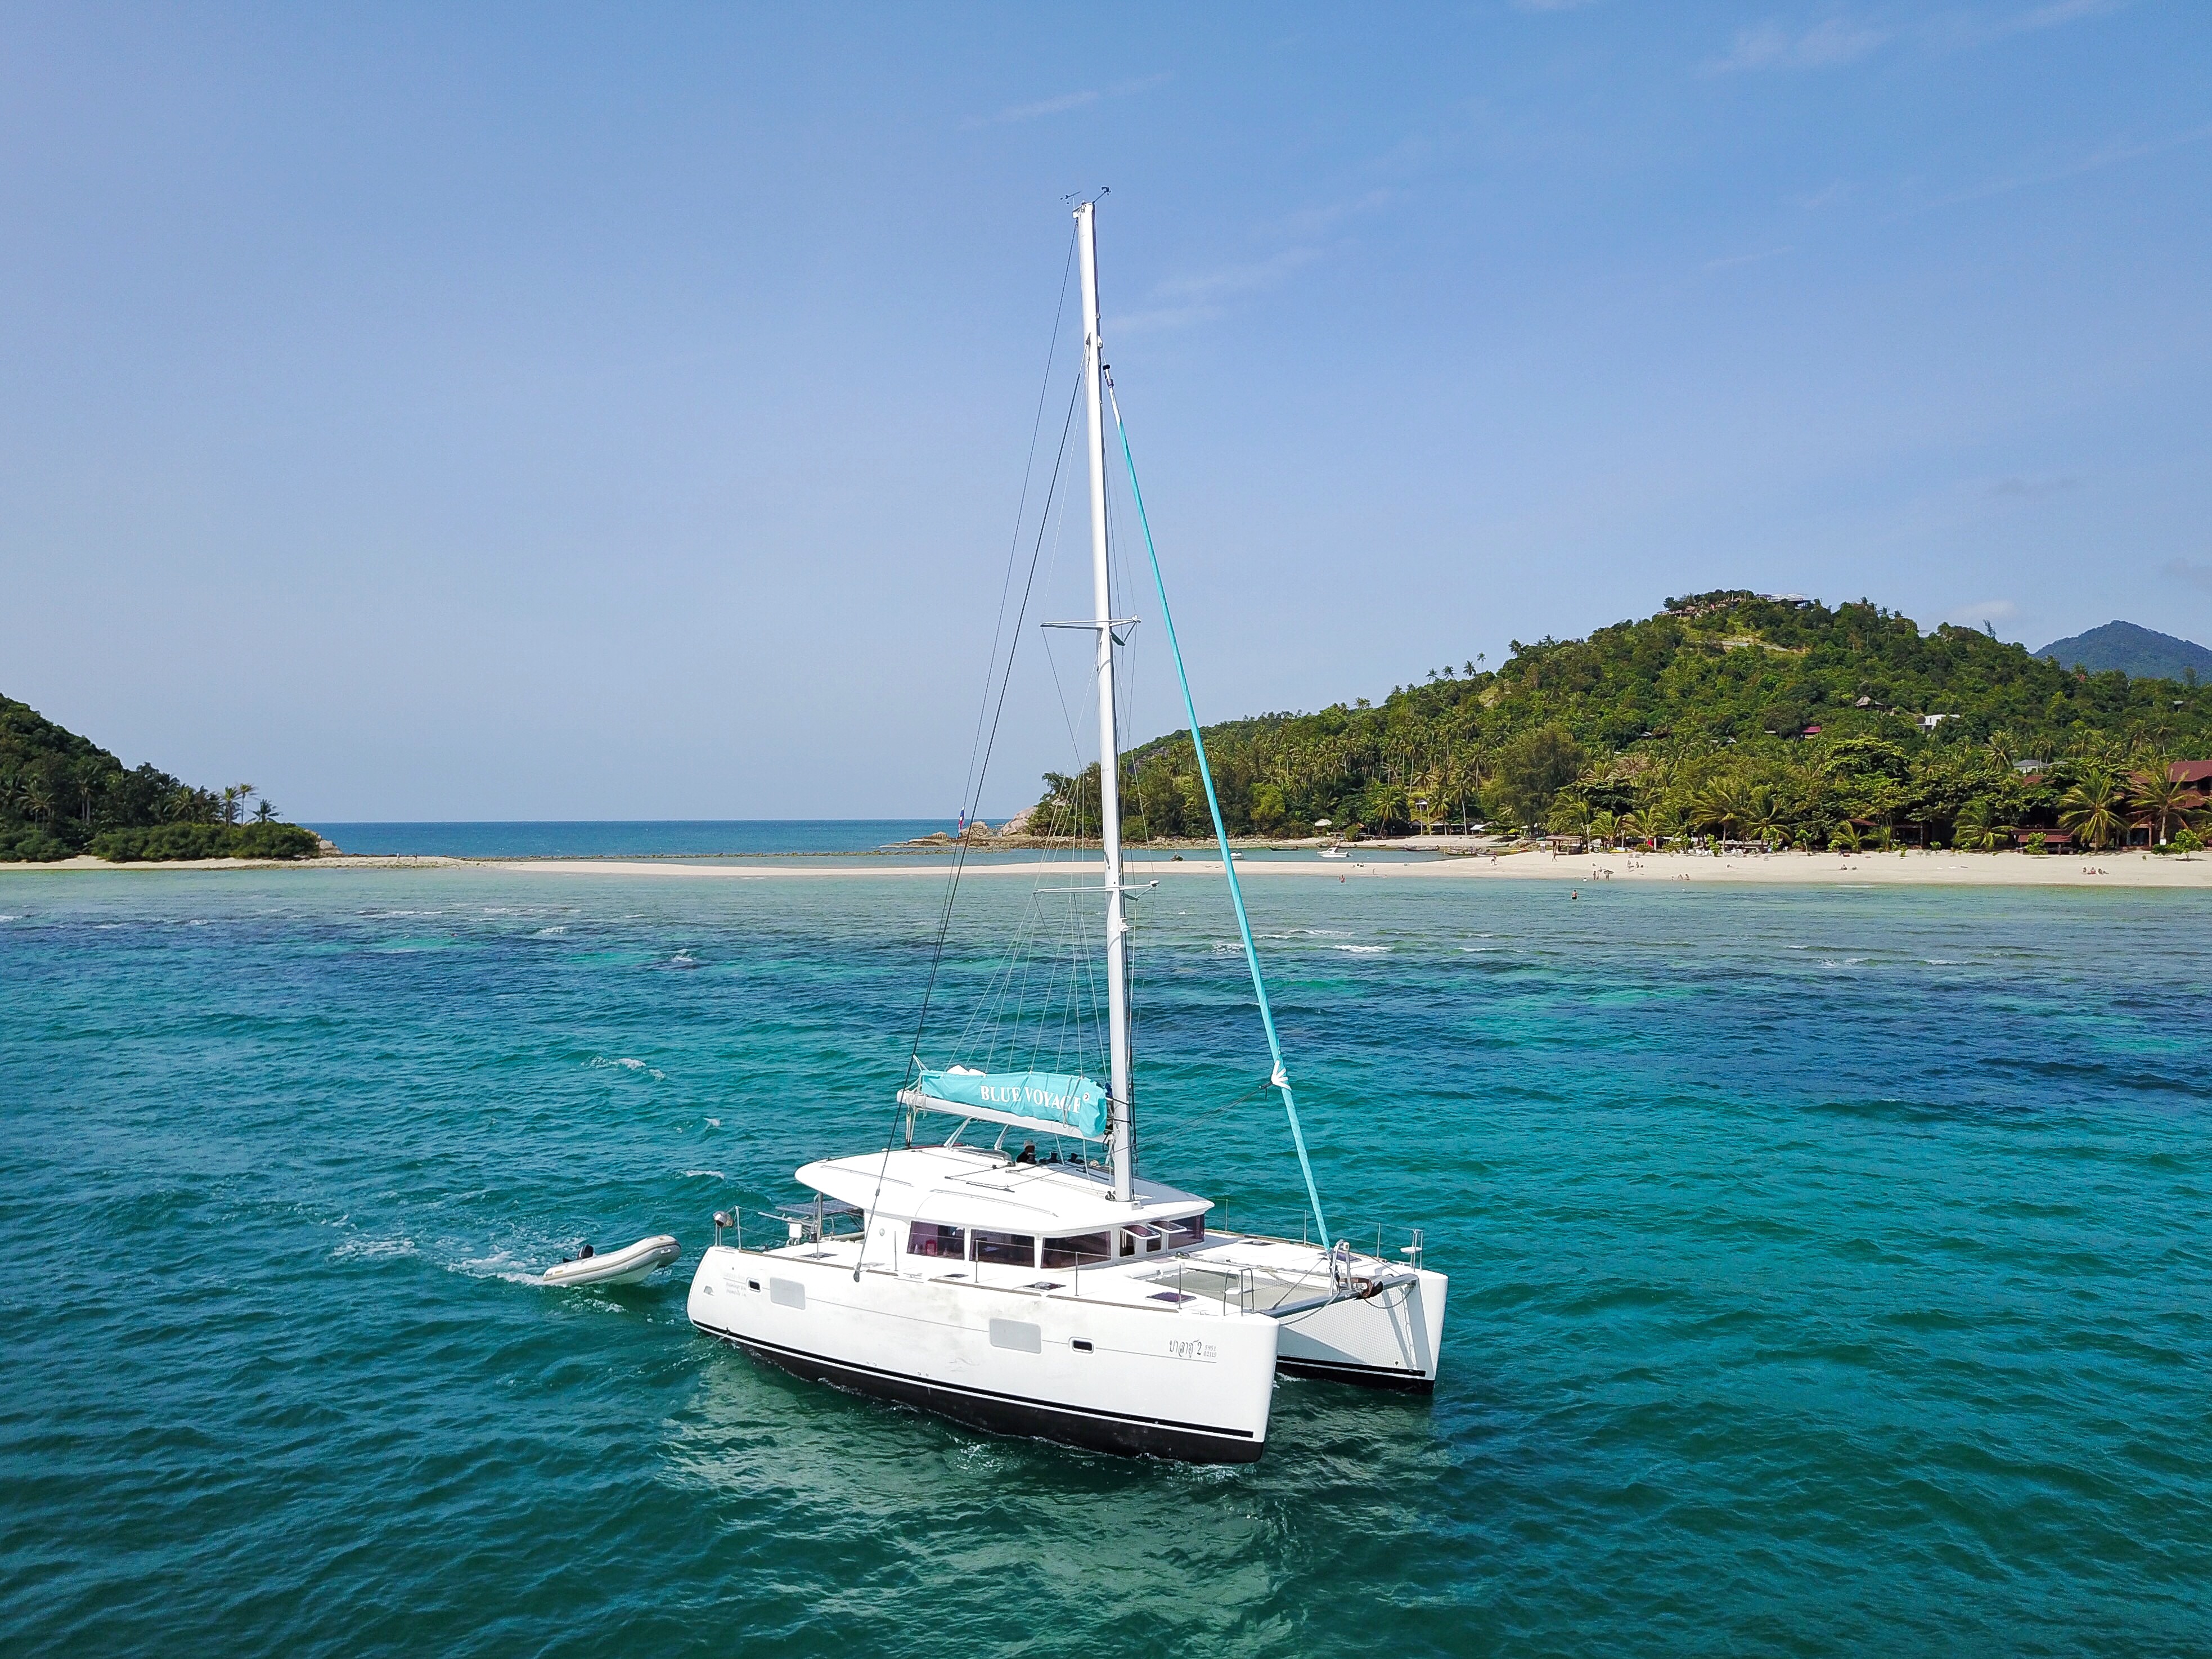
x=1906 y=869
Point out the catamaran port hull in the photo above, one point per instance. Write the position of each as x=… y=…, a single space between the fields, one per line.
x=1132 y=1379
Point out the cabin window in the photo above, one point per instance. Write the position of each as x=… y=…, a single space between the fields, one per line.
x=1185 y=1230
x=1014 y=1249
x=1080 y=1251
x=927 y=1238
x=1140 y=1238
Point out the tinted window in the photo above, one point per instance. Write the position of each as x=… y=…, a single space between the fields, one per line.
x=927 y=1238
x=1016 y=1250
x=1078 y=1251
x=1185 y=1230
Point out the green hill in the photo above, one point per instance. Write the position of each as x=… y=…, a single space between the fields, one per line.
x=1727 y=713
x=2141 y=653
x=61 y=794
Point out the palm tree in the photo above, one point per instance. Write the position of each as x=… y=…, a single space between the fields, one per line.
x=1570 y=816
x=2157 y=792
x=1629 y=827
x=1846 y=838
x=1976 y=830
x=2094 y=809
x=1722 y=806
x=1767 y=820
x=264 y=812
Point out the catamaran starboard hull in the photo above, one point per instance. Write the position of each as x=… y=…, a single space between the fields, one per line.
x=1028 y=1419
x=1144 y=1382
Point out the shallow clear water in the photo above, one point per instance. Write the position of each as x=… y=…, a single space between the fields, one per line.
x=835 y=840
x=1830 y=1272
x=619 y=838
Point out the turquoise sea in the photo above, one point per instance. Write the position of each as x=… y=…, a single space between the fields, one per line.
x=628 y=838
x=1831 y=1273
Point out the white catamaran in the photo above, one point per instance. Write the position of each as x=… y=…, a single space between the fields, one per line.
x=1067 y=1298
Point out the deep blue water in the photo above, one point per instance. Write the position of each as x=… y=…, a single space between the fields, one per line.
x=1831 y=1273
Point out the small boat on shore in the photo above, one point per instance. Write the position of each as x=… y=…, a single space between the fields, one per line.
x=632 y=1265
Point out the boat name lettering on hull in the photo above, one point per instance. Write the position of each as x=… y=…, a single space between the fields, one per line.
x=1193 y=1349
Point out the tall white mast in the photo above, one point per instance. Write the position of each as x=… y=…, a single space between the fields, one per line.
x=1109 y=753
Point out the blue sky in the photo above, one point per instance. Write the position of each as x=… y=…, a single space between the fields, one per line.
x=479 y=413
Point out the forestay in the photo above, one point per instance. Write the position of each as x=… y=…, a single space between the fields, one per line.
x=1050 y=1102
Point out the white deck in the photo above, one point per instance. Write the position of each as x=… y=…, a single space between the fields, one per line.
x=967 y=1187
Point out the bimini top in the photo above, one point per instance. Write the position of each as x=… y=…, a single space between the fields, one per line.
x=1050 y=1103
x=962 y=1186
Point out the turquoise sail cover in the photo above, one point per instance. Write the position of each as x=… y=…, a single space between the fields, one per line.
x=1075 y=1103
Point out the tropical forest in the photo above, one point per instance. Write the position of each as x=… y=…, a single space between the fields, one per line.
x=62 y=795
x=1728 y=717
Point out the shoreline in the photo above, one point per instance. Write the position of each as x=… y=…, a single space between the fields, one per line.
x=1906 y=869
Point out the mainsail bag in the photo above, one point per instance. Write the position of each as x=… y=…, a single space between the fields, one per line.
x=1050 y=1101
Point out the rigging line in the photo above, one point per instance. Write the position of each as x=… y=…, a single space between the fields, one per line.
x=1021 y=513
x=960 y=854
x=1184 y=1121
x=1281 y=1078
x=1073 y=747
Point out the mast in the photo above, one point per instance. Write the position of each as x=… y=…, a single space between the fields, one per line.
x=1109 y=753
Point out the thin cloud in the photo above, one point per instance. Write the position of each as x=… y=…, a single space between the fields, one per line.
x=1839 y=39
x=1829 y=196
x=1208 y=285
x=1015 y=113
x=1307 y=222
x=2111 y=155
x=1197 y=298
x=1986 y=611
x=2056 y=14
x=2196 y=575
x=1304 y=233
x=1829 y=44
x=1044 y=106
x=2033 y=490
x=1735 y=259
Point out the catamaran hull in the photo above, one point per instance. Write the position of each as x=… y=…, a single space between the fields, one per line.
x=999 y=1415
x=1151 y=1382
x=1389 y=1340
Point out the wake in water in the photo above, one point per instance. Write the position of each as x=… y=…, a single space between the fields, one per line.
x=599 y=1062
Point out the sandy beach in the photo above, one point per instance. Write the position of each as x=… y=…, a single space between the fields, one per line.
x=2134 y=869
x=1780 y=869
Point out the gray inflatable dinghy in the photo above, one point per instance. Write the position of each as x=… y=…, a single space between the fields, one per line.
x=627 y=1266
